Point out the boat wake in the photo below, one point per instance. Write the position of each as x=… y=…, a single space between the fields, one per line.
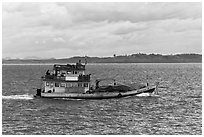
x=68 y=99
x=23 y=97
x=143 y=95
x=147 y=95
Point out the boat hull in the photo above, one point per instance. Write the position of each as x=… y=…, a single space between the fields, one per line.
x=100 y=95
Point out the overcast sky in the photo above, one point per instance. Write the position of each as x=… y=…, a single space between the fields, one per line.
x=100 y=29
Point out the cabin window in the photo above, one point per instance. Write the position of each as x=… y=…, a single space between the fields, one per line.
x=72 y=72
x=58 y=73
x=79 y=72
x=62 y=85
x=56 y=84
x=80 y=85
x=63 y=73
x=85 y=84
x=69 y=72
x=68 y=84
x=75 y=72
x=74 y=85
x=51 y=84
x=47 y=83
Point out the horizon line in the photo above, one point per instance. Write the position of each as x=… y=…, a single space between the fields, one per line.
x=40 y=58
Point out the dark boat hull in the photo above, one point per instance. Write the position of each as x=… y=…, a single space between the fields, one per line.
x=99 y=95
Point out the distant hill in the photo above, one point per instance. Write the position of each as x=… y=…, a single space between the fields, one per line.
x=134 y=58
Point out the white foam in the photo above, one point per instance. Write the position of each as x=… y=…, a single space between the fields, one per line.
x=25 y=97
x=144 y=95
x=147 y=95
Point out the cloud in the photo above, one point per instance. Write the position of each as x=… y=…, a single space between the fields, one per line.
x=100 y=29
x=134 y=12
x=59 y=39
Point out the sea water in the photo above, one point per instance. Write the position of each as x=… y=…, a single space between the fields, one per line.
x=177 y=110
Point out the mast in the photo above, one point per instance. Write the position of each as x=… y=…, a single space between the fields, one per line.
x=85 y=60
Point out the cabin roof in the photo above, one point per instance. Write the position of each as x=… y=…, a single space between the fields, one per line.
x=77 y=66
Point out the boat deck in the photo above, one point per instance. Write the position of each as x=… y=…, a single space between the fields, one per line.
x=99 y=95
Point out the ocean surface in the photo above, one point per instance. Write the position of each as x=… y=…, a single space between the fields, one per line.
x=177 y=110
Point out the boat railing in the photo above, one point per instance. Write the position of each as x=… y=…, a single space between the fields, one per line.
x=80 y=78
x=54 y=77
x=69 y=67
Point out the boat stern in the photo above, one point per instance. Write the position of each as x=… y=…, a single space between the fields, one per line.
x=38 y=94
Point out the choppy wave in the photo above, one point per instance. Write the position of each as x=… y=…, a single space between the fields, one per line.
x=177 y=110
x=24 y=97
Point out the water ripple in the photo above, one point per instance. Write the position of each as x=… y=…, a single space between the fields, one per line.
x=178 y=110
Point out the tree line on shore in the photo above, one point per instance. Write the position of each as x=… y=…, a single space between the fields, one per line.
x=133 y=58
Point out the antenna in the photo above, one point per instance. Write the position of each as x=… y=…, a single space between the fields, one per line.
x=147 y=78
x=85 y=60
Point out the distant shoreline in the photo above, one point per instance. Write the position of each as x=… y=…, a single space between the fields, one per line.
x=134 y=58
x=92 y=64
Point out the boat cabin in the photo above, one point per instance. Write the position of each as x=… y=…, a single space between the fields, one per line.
x=69 y=78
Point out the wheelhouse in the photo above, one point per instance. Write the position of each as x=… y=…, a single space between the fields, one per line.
x=69 y=78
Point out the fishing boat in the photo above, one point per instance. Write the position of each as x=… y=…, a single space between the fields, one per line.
x=71 y=81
